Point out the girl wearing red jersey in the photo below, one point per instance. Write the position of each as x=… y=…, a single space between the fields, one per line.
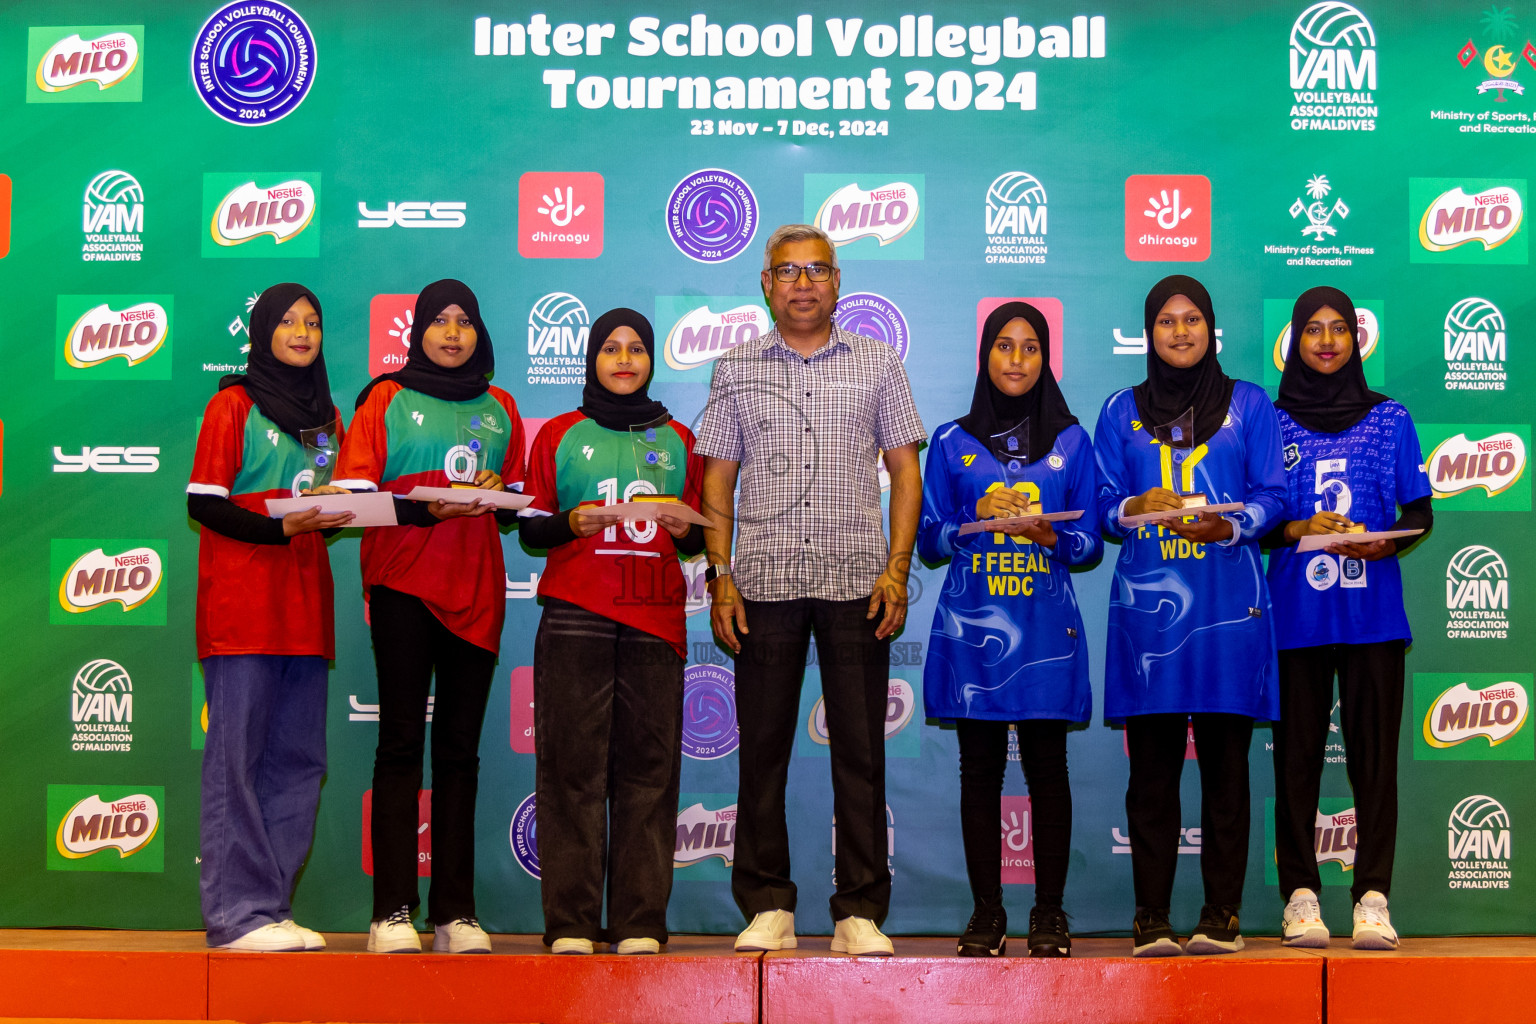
x=608 y=660
x=264 y=624
x=436 y=595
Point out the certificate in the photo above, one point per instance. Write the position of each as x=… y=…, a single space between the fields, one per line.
x=996 y=525
x=1171 y=514
x=372 y=508
x=468 y=495
x=641 y=510
x=1323 y=541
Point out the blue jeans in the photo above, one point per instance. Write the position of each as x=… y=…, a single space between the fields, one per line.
x=262 y=765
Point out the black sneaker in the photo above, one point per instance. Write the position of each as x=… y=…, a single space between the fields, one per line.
x=987 y=933
x=1048 y=935
x=1217 y=931
x=1152 y=935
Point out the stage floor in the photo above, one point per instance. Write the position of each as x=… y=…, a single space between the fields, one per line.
x=121 y=975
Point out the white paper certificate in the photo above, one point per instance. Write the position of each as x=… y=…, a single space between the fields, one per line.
x=467 y=495
x=371 y=508
x=645 y=510
x=1322 y=541
x=1169 y=515
x=996 y=525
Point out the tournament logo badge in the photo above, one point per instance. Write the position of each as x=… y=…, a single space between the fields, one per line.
x=101 y=707
x=709 y=712
x=704 y=328
x=1485 y=457
x=389 y=332
x=253 y=62
x=267 y=216
x=712 y=215
x=558 y=325
x=560 y=215
x=874 y=316
x=1479 y=842
x=105 y=828
x=881 y=222
x=112 y=217
x=524 y=835
x=1476 y=346
x=1168 y=217
x=1467 y=220
x=703 y=833
x=85 y=64
x=1015 y=219
x=1333 y=69
x=114 y=337
x=1477 y=595
x=1499 y=61
x=1473 y=716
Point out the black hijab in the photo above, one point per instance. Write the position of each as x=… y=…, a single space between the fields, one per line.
x=420 y=373
x=1169 y=392
x=1326 y=403
x=619 y=412
x=296 y=398
x=993 y=412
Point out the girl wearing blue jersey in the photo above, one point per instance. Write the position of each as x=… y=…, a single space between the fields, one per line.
x=1191 y=642
x=1351 y=457
x=1007 y=642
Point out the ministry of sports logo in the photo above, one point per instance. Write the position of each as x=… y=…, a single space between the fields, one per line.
x=1015 y=219
x=1476 y=346
x=1500 y=59
x=558 y=325
x=1333 y=69
x=1476 y=595
x=874 y=316
x=112 y=217
x=709 y=712
x=101 y=707
x=85 y=63
x=1479 y=842
x=712 y=216
x=253 y=62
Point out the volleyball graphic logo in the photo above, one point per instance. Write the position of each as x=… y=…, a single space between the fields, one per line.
x=709 y=712
x=1476 y=813
x=524 y=835
x=101 y=676
x=712 y=216
x=1476 y=562
x=113 y=187
x=558 y=322
x=1475 y=330
x=874 y=316
x=1331 y=24
x=1015 y=188
x=254 y=63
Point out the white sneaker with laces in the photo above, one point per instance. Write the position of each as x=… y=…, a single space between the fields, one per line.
x=859 y=936
x=394 y=934
x=1302 y=923
x=312 y=939
x=579 y=947
x=269 y=938
x=769 y=930
x=1373 y=924
x=631 y=947
x=461 y=936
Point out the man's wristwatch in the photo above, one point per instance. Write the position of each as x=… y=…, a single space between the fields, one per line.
x=714 y=572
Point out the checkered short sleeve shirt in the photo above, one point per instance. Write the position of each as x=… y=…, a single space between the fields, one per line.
x=808 y=432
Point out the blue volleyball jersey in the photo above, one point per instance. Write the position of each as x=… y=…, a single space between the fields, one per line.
x=1363 y=473
x=1190 y=625
x=1007 y=641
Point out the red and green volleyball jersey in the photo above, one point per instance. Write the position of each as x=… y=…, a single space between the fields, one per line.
x=628 y=572
x=257 y=598
x=401 y=439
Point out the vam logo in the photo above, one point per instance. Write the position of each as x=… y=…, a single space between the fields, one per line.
x=104 y=328
x=412 y=215
x=701 y=333
x=1448 y=215
x=112 y=217
x=1461 y=713
x=101 y=707
x=881 y=222
x=269 y=216
x=107 y=459
x=1476 y=345
x=703 y=833
x=1015 y=219
x=558 y=325
x=104 y=56
x=1333 y=69
x=1477 y=595
x=1494 y=463
x=87 y=821
x=1479 y=843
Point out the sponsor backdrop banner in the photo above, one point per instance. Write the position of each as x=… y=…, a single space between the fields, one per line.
x=155 y=176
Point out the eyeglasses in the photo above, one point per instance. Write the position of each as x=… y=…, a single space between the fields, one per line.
x=788 y=273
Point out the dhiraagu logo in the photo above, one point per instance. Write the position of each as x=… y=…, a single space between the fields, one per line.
x=1370 y=317
x=695 y=330
x=869 y=216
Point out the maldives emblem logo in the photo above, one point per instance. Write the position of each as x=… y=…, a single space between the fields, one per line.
x=85 y=63
x=132 y=334
x=1319 y=211
x=712 y=215
x=247 y=212
x=1450 y=215
x=1494 y=463
x=1498 y=60
x=253 y=62
x=880 y=222
x=92 y=820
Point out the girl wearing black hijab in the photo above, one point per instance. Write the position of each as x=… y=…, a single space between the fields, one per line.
x=1191 y=637
x=264 y=624
x=1007 y=644
x=608 y=659
x=1351 y=457
x=436 y=589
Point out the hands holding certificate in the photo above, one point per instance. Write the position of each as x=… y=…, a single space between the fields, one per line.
x=1207 y=528
x=1006 y=503
x=1332 y=523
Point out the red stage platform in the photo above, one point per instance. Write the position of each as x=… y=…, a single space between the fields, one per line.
x=100 y=975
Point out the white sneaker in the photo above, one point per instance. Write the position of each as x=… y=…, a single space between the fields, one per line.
x=269 y=938
x=1373 y=925
x=580 y=947
x=629 y=947
x=1302 y=923
x=769 y=930
x=859 y=936
x=394 y=934
x=461 y=936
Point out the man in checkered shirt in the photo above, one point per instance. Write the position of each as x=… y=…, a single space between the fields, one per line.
x=801 y=416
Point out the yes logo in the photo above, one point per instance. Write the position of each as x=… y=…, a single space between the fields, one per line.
x=105 y=828
x=1168 y=217
x=881 y=222
x=270 y=215
x=85 y=64
x=1479 y=716
x=93 y=575
x=113 y=337
x=1447 y=216
x=1466 y=459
